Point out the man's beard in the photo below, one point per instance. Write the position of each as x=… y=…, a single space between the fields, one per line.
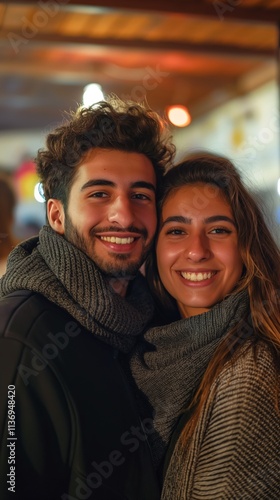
x=121 y=267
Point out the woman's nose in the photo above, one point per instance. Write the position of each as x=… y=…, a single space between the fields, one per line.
x=197 y=248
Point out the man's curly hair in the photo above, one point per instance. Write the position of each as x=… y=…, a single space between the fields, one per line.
x=111 y=124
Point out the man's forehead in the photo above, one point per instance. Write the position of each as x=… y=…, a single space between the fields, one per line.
x=116 y=167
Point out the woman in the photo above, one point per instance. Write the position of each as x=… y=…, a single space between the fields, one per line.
x=212 y=378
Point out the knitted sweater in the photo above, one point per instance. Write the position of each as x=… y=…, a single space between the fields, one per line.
x=170 y=365
x=234 y=452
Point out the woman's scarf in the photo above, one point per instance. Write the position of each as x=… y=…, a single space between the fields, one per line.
x=169 y=365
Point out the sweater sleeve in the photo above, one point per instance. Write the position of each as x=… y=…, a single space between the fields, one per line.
x=236 y=450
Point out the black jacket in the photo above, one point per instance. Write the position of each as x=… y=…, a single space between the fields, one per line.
x=77 y=433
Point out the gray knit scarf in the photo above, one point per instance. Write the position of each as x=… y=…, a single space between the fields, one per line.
x=53 y=267
x=169 y=368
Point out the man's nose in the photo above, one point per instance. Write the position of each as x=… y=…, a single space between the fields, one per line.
x=121 y=211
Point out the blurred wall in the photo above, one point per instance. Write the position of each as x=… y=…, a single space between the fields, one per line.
x=247 y=130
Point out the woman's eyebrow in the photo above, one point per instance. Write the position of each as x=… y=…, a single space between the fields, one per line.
x=177 y=218
x=217 y=218
x=187 y=220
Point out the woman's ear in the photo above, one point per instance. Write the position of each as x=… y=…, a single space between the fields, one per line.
x=56 y=215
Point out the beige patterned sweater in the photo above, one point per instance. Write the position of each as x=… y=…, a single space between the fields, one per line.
x=234 y=453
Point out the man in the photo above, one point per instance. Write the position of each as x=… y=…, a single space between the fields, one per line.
x=72 y=301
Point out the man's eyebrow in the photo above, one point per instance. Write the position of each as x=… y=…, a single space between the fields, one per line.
x=143 y=184
x=186 y=220
x=106 y=182
x=97 y=182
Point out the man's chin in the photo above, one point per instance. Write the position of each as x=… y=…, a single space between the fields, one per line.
x=122 y=270
x=127 y=273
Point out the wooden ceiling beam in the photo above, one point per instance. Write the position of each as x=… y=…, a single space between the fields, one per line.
x=16 y=39
x=77 y=75
x=219 y=9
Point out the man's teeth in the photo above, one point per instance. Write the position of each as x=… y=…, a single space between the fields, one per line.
x=197 y=276
x=119 y=241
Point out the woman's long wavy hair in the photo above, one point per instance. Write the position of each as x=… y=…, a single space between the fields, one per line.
x=261 y=274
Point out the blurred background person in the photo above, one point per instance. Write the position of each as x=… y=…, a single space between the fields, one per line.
x=8 y=202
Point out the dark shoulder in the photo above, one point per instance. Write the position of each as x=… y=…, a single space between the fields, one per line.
x=21 y=310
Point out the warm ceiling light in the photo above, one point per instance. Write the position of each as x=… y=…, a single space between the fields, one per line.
x=179 y=116
x=92 y=94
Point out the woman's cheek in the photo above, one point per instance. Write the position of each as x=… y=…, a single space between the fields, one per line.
x=167 y=255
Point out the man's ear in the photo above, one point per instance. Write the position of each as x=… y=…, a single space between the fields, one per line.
x=56 y=215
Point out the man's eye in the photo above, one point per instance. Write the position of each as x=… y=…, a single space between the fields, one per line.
x=98 y=194
x=140 y=196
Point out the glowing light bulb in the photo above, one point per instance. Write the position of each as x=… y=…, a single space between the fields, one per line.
x=92 y=94
x=179 y=116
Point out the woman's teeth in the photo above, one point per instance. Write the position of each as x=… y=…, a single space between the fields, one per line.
x=197 y=276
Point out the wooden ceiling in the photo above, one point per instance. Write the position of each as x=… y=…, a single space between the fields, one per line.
x=197 y=53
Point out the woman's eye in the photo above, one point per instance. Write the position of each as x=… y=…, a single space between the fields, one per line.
x=175 y=232
x=220 y=230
